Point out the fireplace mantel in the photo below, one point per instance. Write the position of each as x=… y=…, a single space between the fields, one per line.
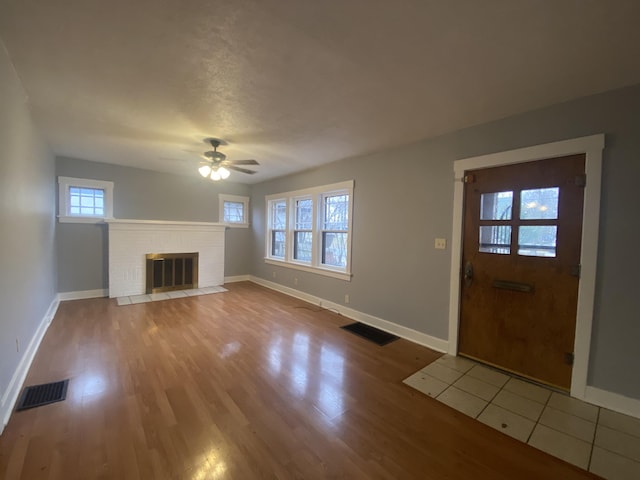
x=125 y=222
x=131 y=240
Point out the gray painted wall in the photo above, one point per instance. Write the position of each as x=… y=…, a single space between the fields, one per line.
x=403 y=199
x=28 y=285
x=82 y=249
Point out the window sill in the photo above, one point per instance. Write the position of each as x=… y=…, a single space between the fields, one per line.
x=236 y=225
x=308 y=268
x=72 y=219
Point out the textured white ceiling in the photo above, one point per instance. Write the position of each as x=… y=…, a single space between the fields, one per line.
x=297 y=83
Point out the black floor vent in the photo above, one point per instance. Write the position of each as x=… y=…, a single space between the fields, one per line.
x=38 y=395
x=372 y=334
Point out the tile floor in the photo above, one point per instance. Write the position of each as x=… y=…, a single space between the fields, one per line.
x=596 y=439
x=154 y=297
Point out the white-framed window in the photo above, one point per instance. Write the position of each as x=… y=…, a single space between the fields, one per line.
x=303 y=229
x=311 y=229
x=277 y=241
x=234 y=210
x=82 y=200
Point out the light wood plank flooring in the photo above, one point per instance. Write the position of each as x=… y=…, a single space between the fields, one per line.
x=243 y=385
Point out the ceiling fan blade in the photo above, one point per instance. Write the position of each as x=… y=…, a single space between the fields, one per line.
x=242 y=162
x=238 y=169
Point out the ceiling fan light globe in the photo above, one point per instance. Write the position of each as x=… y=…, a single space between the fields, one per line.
x=205 y=170
x=224 y=173
x=215 y=175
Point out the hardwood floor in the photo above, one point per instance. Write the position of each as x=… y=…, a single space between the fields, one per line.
x=241 y=385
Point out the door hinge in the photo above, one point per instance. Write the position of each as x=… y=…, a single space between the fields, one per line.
x=576 y=270
x=569 y=357
x=581 y=180
x=469 y=179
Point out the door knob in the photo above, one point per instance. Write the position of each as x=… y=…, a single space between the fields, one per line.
x=468 y=274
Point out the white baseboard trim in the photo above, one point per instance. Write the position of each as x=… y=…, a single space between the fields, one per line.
x=613 y=401
x=82 y=294
x=237 y=278
x=10 y=396
x=420 y=338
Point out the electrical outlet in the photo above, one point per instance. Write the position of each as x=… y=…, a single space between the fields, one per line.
x=295 y=280
x=346 y=298
x=441 y=243
x=274 y=274
x=17 y=345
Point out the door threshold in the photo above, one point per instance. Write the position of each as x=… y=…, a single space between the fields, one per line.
x=519 y=375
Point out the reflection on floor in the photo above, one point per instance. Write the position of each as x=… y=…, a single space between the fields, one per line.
x=596 y=439
x=154 y=297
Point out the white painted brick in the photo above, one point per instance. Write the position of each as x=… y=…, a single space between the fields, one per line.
x=130 y=241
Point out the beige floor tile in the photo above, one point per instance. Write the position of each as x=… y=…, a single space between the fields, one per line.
x=123 y=301
x=618 y=442
x=487 y=375
x=613 y=467
x=570 y=424
x=520 y=405
x=561 y=445
x=177 y=294
x=426 y=384
x=155 y=297
x=462 y=401
x=442 y=372
x=507 y=422
x=528 y=390
x=573 y=406
x=481 y=389
x=140 y=299
x=619 y=421
x=193 y=292
x=457 y=363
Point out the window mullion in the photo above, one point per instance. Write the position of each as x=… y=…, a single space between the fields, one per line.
x=315 y=206
x=291 y=213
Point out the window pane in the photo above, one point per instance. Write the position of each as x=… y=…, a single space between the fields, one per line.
x=233 y=212
x=537 y=241
x=539 y=204
x=334 y=249
x=86 y=201
x=279 y=212
x=304 y=214
x=277 y=243
x=302 y=242
x=495 y=239
x=496 y=206
x=336 y=212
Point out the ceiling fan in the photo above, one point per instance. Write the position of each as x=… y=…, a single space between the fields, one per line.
x=216 y=166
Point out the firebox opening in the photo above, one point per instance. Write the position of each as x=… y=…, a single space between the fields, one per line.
x=171 y=271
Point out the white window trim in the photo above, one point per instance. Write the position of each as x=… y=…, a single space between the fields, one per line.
x=63 y=199
x=222 y=197
x=317 y=194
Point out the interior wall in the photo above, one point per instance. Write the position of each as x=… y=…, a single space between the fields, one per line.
x=82 y=249
x=403 y=200
x=28 y=285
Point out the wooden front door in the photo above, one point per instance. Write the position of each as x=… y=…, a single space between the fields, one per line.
x=520 y=267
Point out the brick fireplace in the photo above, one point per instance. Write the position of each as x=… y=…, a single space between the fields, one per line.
x=130 y=241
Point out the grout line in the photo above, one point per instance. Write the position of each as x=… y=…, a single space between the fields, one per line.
x=593 y=440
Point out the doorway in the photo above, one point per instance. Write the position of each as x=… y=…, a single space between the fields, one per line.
x=521 y=267
x=591 y=147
